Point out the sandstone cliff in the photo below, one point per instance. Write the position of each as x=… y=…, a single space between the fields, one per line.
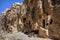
x=38 y=18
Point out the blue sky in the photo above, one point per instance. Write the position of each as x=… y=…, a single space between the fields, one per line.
x=7 y=3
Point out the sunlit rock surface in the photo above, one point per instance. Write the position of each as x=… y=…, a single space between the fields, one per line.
x=39 y=19
x=19 y=36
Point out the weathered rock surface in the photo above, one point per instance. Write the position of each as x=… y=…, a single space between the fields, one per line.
x=20 y=36
x=38 y=18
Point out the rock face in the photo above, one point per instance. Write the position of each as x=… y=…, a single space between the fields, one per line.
x=38 y=18
x=54 y=29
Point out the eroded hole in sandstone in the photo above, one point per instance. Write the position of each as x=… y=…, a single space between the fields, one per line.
x=43 y=24
x=51 y=21
x=28 y=9
x=40 y=16
x=35 y=31
x=29 y=24
x=26 y=32
x=24 y=19
x=55 y=2
x=33 y=10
